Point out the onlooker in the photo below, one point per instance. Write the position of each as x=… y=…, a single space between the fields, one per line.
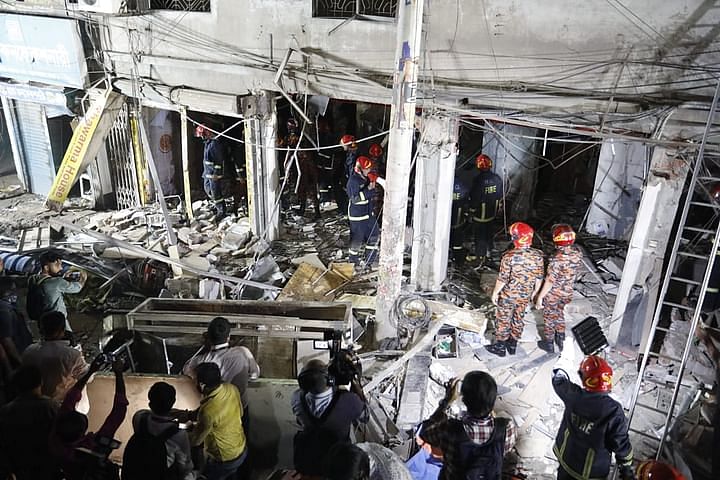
x=70 y=432
x=46 y=289
x=237 y=364
x=593 y=425
x=158 y=423
x=325 y=415
x=219 y=424
x=60 y=364
x=25 y=425
x=14 y=333
x=473 y=446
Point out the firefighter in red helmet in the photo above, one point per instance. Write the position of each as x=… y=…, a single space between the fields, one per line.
x=520 y=277
x=557 y=290
x=656 y=470
x=593 y=426
x=485 y=196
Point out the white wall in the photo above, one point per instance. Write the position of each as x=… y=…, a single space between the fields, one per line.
x=472 y=47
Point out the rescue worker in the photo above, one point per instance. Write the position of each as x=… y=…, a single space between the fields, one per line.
x=375 y=152
x=458 y=219
x=593 y=425
x=485 y=196
x=308 y=186
x=363 y=222
x=213 y=163
x=656 y=470
x=520 y=277
x=557 y=291
x=350 y=147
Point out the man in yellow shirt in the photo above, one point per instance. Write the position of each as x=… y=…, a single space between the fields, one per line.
x=219 y=424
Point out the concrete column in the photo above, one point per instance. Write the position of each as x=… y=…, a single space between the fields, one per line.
x=650 y=238
x=261 y=164
x=618 y=189
x=402 y=127
x=434 y=180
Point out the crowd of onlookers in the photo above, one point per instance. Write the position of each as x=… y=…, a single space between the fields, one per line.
x=45 y=431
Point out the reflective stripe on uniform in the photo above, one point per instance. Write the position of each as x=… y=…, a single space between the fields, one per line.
x=482 y=220
x=713 y=290
x=371 y=247
x=364 y=202
x=358 y=219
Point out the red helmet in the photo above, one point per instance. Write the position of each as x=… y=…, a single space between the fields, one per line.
x=483 y=162
x=521 y=234
x=199 y=130
x=655 y=470
x=596 y=374
x=375 y=150
x=347 y=139
x=563 y=235
x=715 y=191
x=364 y=162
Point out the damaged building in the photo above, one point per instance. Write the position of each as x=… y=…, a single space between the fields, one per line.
x=191 y=157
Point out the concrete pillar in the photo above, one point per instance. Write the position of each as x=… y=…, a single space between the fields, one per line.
x=511 y=148
x=402 y=128
x=650 y=238
x=261 y=164
x=618 y=189
x=18 y=154
x=434 y=180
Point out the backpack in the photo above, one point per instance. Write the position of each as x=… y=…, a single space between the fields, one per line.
x=311 y=444
x=145 y=455
x=479 y=461
x=35 y=297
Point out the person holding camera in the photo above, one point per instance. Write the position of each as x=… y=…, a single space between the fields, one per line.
x=46 y=289
x=159 y=448
x=325 y=414
x=61 y=365
x=70 y=438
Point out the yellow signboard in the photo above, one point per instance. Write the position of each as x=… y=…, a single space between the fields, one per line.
x=77 y=152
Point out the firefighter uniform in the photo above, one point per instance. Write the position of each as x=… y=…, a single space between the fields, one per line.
x=458 y=218
x=308 y=186
x=520 y=268
x=563 y=266
x=363 y=221
x=593 y=427
x=213 y=163
x=485 y=197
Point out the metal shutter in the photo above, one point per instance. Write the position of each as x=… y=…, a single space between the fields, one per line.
x=35 y=142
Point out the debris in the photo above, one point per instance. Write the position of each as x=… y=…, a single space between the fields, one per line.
x=311 y=283
x=410 y=409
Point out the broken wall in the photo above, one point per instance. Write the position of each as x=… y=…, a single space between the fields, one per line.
x=513 y=150
x=618 y=189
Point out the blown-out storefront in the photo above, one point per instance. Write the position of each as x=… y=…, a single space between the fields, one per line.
x=43 y=69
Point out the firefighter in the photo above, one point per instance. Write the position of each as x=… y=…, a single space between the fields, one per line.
x=593 y=425
x=656 y=470
x=308 y=186
x=213 y=163
x=458 y=219
x=363 y=222
x=520 y=277
x=350 y=147
x=557 y=291
x=485 y=196
x=375 y=152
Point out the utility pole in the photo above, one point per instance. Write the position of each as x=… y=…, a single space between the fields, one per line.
x=402 y=129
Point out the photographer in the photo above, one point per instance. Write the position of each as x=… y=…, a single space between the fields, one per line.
x=325 y=413
x=46 y=289
x=70 y=432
